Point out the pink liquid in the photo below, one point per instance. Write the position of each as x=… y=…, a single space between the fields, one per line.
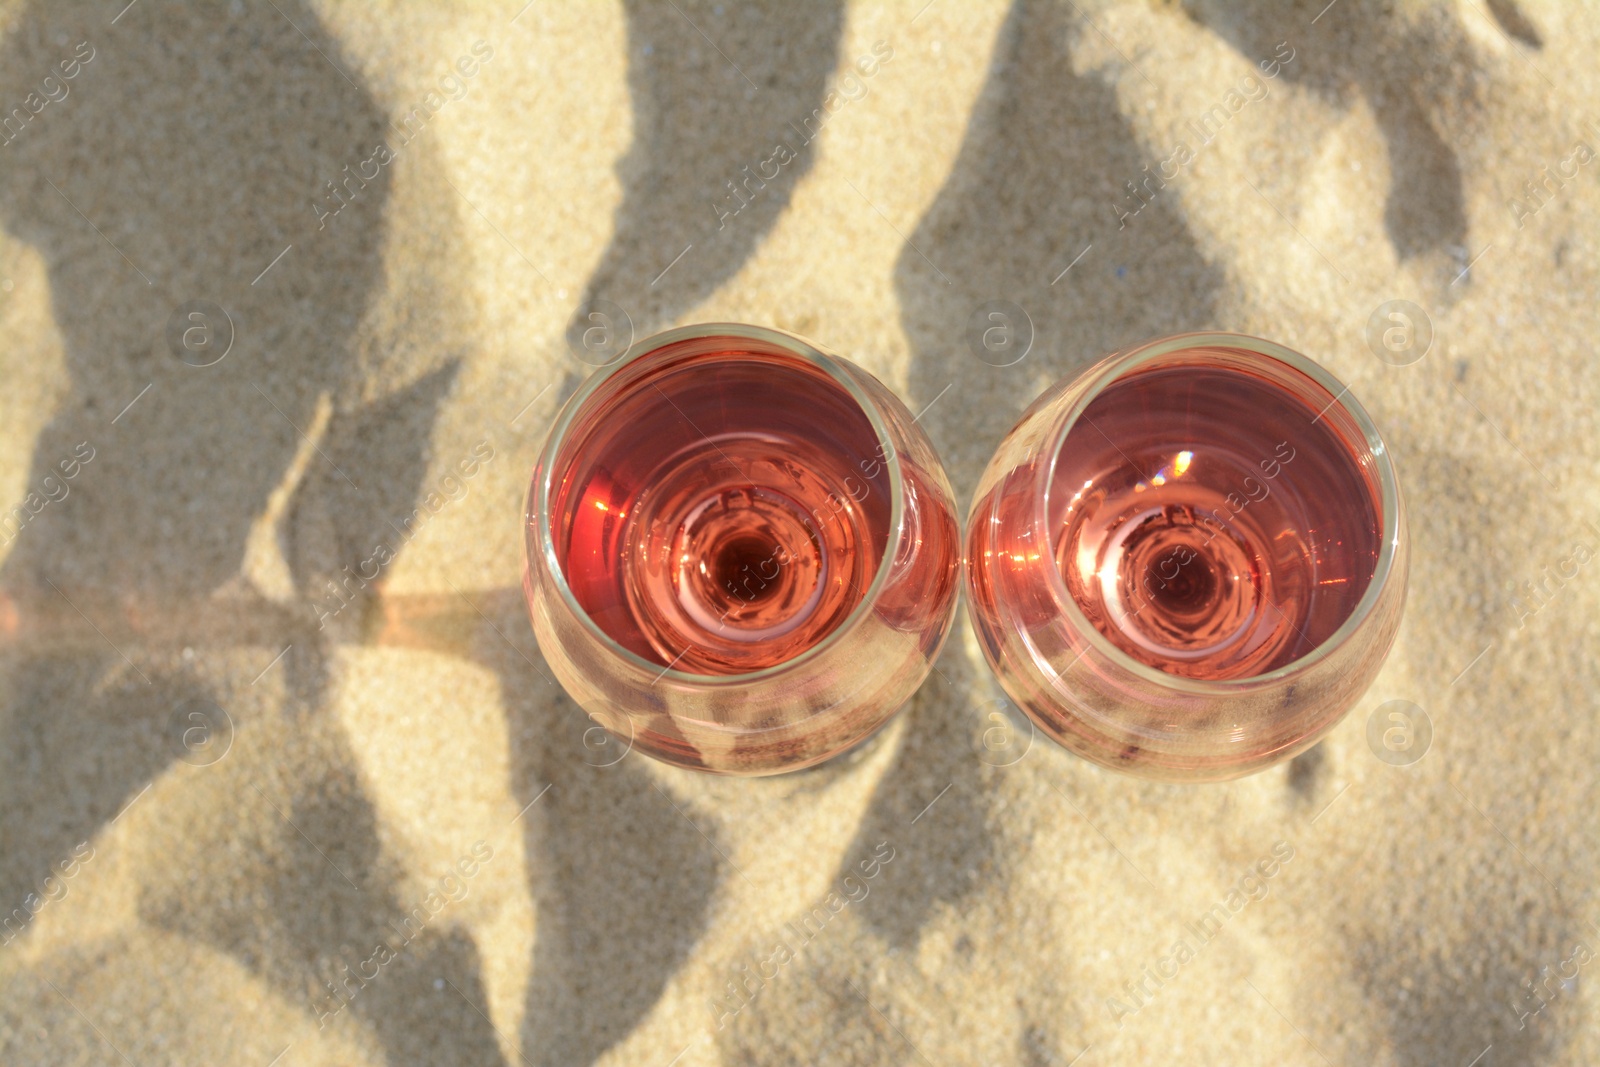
x=1208 y=522
x=720 y=512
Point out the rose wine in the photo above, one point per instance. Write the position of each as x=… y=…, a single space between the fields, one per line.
x=1207 y=518
x=1189 y=562
x=721 y=512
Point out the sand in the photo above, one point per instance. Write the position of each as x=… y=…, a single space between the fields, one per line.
x=226 y=792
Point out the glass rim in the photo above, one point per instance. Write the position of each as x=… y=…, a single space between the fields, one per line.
x=1117 y=367
x=807 y=352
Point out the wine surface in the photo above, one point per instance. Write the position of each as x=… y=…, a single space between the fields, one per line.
x=1209 y=523
x=714 y=512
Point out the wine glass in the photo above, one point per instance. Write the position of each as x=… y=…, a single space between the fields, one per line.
x=1189 y=562
x=741 y=551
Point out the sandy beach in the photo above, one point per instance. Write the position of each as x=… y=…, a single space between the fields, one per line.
x=287 y=293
